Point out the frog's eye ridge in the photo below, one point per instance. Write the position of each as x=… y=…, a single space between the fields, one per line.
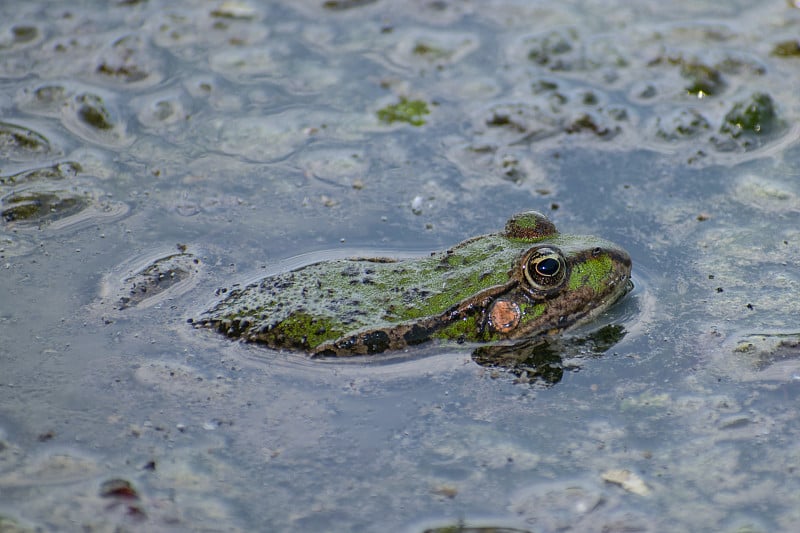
x=545 y=268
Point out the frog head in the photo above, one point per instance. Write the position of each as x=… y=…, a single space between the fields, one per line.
x=555 y=282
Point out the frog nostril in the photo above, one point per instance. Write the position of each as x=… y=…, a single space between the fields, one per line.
x=596 y=251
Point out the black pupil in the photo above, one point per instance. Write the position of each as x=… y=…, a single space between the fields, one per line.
x=547 y=266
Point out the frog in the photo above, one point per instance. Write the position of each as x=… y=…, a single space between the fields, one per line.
x=524 y=282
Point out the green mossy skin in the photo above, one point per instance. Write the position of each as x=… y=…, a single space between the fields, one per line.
x=532 y=312
x=463 y=330
x=306 y=330
x=358 y=306
x=591 y=273
x=529 y=227
x=353 y=294
x=532 y=315
x=409 y=111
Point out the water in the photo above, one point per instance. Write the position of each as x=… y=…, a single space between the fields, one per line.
x=246 y=136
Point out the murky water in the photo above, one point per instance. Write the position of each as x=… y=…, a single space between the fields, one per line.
x=152 y=152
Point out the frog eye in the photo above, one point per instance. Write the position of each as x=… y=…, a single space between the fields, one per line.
x=545 y=268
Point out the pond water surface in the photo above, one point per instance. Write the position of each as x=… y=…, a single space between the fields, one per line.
x=153 y=152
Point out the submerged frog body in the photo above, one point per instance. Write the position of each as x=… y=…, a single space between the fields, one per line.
x=526 y=281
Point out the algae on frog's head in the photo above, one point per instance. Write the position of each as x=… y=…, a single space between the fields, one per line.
x=590 y=272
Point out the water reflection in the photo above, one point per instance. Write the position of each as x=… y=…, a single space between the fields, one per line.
x=545 y=360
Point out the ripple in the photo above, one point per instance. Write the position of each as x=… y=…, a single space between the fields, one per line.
x=14 y=245
x=58 y=209
x=147 y=280
x=19 y=143
x=20 y=36
x=88 y=112
x=58 y=171
x=99 y=212
x=36 y=207
x=273 y=137
x=130 y=60
x=95 y=118
x=163 y=109
x=424 y=49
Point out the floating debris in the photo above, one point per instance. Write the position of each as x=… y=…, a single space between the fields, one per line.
x=627 y=480
x=410 y=111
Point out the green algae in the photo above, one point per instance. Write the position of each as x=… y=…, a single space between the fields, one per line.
x=685 y=123
x=409 y=111
x=587 y=122
x=756 y=116
x=59 y=171
x=703 y=79
x=24 y=34
x=17 y=141
x=545 y=49
x=342 y=5
x=40 y=206
x=431 y=52
x=92 y=111
x=790 y=48
x=49 y=95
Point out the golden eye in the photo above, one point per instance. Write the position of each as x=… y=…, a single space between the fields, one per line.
x=545 y=268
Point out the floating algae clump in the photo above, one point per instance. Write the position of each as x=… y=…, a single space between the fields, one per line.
x=755 y=116
x=411 y=111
